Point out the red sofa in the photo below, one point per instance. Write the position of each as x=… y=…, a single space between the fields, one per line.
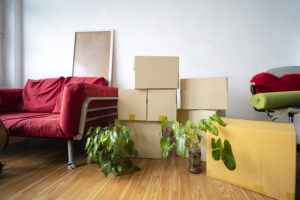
x=58 y=108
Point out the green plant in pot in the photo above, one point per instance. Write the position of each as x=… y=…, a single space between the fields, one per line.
x=111 y=148
x=187 y=135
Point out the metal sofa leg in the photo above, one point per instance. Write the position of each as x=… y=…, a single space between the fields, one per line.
x=71 y=163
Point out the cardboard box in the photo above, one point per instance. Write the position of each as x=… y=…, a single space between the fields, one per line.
x=153 y=72
x=204 y=93
x=265 y=155
x=195 y=116
x=162 y=103
x=132 y=104
x=146 y=136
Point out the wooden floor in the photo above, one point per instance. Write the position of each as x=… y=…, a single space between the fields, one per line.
x=36 y=169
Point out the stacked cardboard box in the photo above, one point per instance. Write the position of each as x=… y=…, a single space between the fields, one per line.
x=200 y=98
x=154 y=97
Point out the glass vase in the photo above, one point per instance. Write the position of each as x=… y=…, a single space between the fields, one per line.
x=195 y=159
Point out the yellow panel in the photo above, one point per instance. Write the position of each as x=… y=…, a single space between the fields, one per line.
x=265 y=154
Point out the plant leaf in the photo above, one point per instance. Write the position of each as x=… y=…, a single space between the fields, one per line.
x=216 y=148
x=166 y=146
x=199 y=138
x=103 y=139
x=129 y=147
x=135 y=153
x=135 y=168
x=211 y=128
x=216 y=118
x=90 y=146
x=227 y=156
x=99 y=161
x=114 y=137
x=89 y=158
x=125 y=131
x=106 y=168
x=87 y=143
x=176 y=128
x=98 y=130
x=89 y=131
x=95 y=149
x=181 y=145
x=162 y=142
x=202 y=125
x=188 y=124
x=128 y=162
x=119 y=169
x=164 y=123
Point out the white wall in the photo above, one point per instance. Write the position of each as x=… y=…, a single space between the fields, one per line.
x=12 y=62
x=1 y=41
x=231 y=38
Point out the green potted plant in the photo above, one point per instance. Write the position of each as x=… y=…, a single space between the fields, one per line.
x=187 y=135
x=111 y=148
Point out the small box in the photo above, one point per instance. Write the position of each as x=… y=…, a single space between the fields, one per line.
x=146 y=136
x=132 y=104
x=265 y=156
x=152 y=72
x=204 y=93
x=162 y=103
x=195 y=116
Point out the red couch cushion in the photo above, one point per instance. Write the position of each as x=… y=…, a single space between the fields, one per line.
x=266 y=82
x=41 y=95
x=100 y=81
x=32 y=124
x=9 y=99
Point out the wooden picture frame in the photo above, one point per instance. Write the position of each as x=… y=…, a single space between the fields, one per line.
x=93 y=54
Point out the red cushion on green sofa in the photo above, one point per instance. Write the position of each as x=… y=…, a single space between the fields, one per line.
x=41 y=95
x=100 y=81
x=266 y=82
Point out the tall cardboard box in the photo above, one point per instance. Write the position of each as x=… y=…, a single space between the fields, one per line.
x=204 y=93
x=162 y=103
x=265 y=155
x=146 y=136
x=132 y=104
x=195 y=116
x=152 y=72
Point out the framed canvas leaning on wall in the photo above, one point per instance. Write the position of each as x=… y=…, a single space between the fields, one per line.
x=93 y=53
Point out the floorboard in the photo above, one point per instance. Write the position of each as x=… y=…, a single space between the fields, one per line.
x=36 y=169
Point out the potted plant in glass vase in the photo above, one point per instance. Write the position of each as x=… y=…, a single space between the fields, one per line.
x=187 y=135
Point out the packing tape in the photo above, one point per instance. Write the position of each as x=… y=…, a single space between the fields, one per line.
x=131 y=116
x=290 y=196
x=161 y=117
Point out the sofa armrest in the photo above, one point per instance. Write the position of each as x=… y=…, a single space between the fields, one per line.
x=74 y=95
x=10 y=98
